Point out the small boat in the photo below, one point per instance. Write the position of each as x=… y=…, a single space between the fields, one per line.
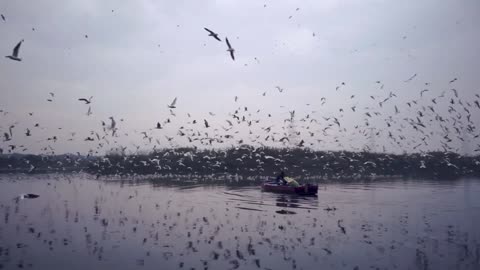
x=305 y=189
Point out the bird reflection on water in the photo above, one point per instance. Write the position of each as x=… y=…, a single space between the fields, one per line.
x=83 y=223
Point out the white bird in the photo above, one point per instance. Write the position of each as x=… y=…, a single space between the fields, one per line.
x=422 y=164
x=172 y=106
x=230 y=49
x=371 y=163
x=14 y=55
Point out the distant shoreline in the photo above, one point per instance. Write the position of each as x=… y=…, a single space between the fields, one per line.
x=252 y=162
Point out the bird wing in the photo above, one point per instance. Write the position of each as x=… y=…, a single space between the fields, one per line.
x=17 y=48
x=209 y=31
x=228 y=43
x=174 y=102
x=233 y=56
x=83 y=99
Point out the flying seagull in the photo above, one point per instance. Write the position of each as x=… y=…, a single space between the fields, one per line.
x=172 y=106
x=411 y=78
x=87 y=101
x=212 y=34
x=230 y=49
x=421 y=92
x=113 y=125
x=3 y=18
x=14 y=55
x=26 y=196
x=159 y=126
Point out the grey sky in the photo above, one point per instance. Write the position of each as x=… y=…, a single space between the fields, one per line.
x=137 y=58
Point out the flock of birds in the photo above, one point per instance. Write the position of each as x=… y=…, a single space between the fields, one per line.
x=431 y=121
x=177 y=229
x=16 y=50
x=444 y=119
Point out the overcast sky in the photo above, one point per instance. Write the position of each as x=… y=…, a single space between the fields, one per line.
x=140 y=55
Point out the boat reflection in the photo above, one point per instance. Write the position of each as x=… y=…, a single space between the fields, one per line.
x=287 y=201
x=296 y=202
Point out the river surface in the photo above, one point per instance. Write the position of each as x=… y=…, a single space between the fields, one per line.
x=81 y=223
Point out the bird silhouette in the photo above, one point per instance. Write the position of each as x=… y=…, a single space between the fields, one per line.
x=230 y=49
x=212 y=34
x=15 y=52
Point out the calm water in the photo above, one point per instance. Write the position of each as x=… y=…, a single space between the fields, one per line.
x=78 y=223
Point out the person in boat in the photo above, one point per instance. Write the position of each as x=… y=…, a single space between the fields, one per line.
x=281 y=178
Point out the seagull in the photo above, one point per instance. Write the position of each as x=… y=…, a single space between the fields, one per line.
x=301 y=143
x=455 y=92
x=159 y=126
x=26 y=196
x=14 y=55
x=212 y=34
x=206 y=123
x=87 y=101
x=3 y=17
x=10 y=128
x=113 y=123
x=411 y=78
x=230 y=49
x=421 y=92
x=172 y=106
